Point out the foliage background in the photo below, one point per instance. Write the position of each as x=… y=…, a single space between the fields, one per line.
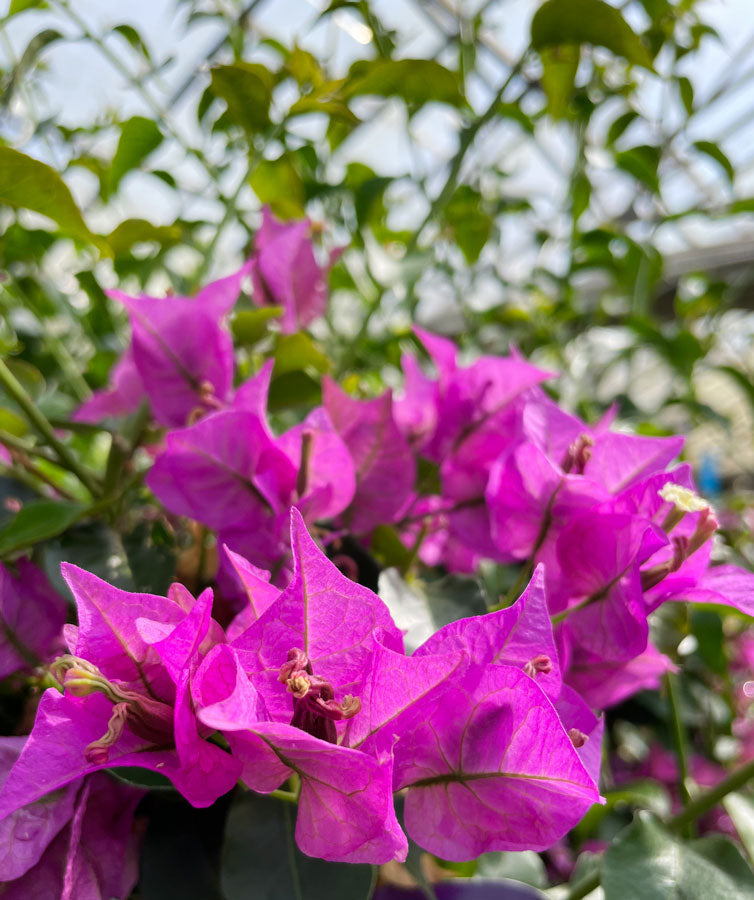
x=577 y=182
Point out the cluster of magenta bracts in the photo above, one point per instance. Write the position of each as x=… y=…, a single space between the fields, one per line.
x=312 y=681
x=491 y=726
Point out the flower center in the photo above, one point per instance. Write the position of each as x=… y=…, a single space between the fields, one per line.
x=315 y=709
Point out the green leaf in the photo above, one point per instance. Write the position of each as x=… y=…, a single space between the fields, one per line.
x=581 y=193
x=559 y=22
x=647 y=863
x=417 y=81
x=559 y=66
x=686 y=90
x=294 y=390
x=277 y=183
x=641 y=162
x=471 y=226
x=714 y=152
x=141 y=778
x=296 y=352
x=17 y=6
x=11 y=422
x=152 y=562
x=525 y=865
x=740 y=808
x=180 y=849
x=246 y=88
x=619 y=125
x=139 y=136
x=249 y=326
x=29 y=376
x=37 y=522
x=454 y=597
x=28 y=183
x=136 y=231
x=27 y=59
x=741 y=379
x=134 y=39
x=260 y=851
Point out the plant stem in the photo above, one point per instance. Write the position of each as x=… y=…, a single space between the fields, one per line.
x=285 y=796
x=680 y=741
x=44 y=429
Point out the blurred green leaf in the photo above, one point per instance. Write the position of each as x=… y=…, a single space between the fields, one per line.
x=471 y=226
x=297 y=352
x=293 y=390
x=559 y=22
x=641 y=162
x=559 y=66
x=11 y=422
x=134 y=39
x=17 y=6
x=740 y=808
x=28 y=183
x=37 y=522
x=260 y=851
x=250 y=325
x=139 y=136
x=135 y=231
x=714 y=152
x=686 y=90
x=417 y=81
x=277 y=183
x=246 y=88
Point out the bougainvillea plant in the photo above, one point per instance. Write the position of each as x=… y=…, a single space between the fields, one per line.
x=382 y=727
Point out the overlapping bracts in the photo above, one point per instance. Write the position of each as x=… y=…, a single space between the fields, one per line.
x=492 y=726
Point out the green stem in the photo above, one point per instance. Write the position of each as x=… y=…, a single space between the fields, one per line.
x=680 y=740
x=15 y=443
x=16 y=391
x=285 y=796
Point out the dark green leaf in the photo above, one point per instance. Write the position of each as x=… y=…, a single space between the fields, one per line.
x=180 y=853
x=686 y=90
x=28 y=183
x=641 y=162
x=714 y=152
x=559 y=66
x=619 y=125
x=250 y=325
x=142 y=778
x=417 y=81
x=36 y=522
x=247 y=90
x=581 y=194
x=134 y=39
x=293 y=390
x=648 y=863
x=152 y=563
x=559 y=22
x=260 y=851
x=139 y=136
